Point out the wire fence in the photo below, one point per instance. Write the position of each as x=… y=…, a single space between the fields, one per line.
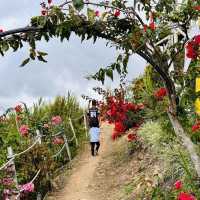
x=38 y=140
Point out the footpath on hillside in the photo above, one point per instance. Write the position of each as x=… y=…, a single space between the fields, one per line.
x=80 y=184
x=112 y=175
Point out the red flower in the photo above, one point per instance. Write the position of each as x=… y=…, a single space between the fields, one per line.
x=119 y=127
x=152 y=26
x=117 y=13
x=131 y=107
x=160 y=93
x=178 y=185
x=49 y=1
x=115 y=134
x=1 y=30
x=97 y=13
x=18 y=108
x=131 y=137
x=185 y=196
x=121 y=116
x=195 y=127
x=113 y=110
x=197 y=7
x=197 y=39
x=145 y=27
x=190 y=48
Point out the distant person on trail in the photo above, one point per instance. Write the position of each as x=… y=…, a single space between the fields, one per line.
x=94 y=132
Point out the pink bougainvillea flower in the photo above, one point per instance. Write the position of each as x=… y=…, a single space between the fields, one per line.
x=56 y=120
x=58 y=140
x=97 y=13
x=28 y=187
x=6 y=194
x=24 y=129
x=117 y=13
x=18 y=109
x=185 y=196
x=44 y=12
x=178 y=185
x=46 y=125
x=6 y=181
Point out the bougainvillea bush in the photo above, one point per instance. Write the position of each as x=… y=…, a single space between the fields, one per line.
x=18 y=129
x=123 y=114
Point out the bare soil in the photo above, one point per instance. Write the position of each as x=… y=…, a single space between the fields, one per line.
x=112 y=175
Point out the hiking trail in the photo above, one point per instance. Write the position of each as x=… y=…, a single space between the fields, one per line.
x=79 y=185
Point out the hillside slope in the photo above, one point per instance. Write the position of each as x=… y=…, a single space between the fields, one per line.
x=113 y=175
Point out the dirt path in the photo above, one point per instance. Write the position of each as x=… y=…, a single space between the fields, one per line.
x=80 y=183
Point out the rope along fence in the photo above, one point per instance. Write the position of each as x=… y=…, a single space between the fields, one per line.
x=15 y=194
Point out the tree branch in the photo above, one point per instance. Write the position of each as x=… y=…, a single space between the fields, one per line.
x=20 y=30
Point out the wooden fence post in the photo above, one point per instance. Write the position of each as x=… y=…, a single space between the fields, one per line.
x=39 y=136
x=67 y=147
x=13 y=170
x=85 y=123
x=39 y=196
x=74 y=133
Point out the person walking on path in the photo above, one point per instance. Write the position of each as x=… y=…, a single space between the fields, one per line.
x=94 y=132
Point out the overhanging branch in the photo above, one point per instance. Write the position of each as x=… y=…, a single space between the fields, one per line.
x=20 y=30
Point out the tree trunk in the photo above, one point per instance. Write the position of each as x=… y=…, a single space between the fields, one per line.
x=188 y=144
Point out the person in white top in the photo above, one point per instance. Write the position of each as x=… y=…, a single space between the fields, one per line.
x=94 y=132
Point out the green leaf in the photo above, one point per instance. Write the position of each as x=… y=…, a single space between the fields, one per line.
x=25 y=62
x=119 y=58
x=101 y=75
x=91 y=15
x=5 y=46
x=109 y=73
x=41 y=53
x=32 y=54
x=103 y=15
x=78 y=4
x=40 y=58
x=118 y=68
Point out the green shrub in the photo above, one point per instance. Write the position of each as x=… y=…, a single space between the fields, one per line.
x=40 y=157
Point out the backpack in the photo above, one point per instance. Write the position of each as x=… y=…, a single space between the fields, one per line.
x=93 y=117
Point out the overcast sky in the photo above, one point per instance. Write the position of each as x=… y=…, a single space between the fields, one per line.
x=68 y=62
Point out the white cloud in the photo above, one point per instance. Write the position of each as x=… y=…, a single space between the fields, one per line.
x=68 y=62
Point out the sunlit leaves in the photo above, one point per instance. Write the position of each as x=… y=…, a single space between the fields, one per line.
x=120 y=66
x=91 y=15
x=33 y=55
x=78 y=4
